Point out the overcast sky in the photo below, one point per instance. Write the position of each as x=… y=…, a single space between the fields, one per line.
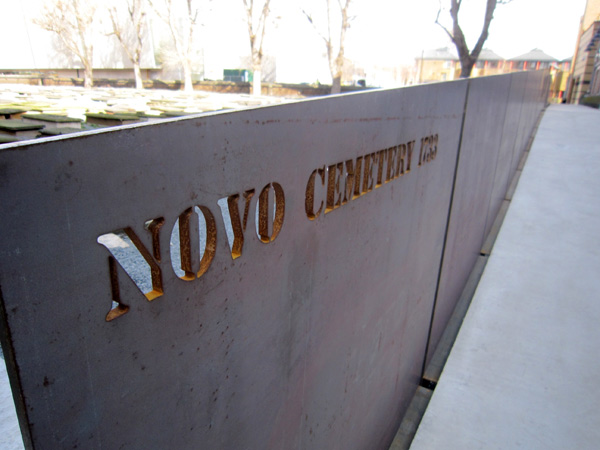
x=392 y=32
x=521 y=25
x=383 y=32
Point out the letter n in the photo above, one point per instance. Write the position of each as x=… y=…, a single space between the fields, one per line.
x=141 y=266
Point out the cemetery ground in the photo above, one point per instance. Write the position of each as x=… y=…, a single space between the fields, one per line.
x=29 y=112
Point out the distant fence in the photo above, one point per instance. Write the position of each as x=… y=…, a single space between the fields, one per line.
x=260 y=279
x=274 y=89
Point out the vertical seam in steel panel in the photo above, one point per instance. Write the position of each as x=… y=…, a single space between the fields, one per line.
x=517 y=144
x=487 y=215
x=439 y=277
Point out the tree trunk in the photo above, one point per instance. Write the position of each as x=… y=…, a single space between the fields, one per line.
x=188 y=86
x=336 y=85
x=468 y=58
x=466 y=67
x=257 y=81
x=88 y=76
x=139 y=84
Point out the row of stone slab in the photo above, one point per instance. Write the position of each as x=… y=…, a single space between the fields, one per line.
x=17 y=124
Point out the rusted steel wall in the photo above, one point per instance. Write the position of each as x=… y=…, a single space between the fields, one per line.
x=500 y=116
x=256 y=279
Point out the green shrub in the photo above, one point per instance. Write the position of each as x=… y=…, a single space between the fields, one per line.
x=591 y=100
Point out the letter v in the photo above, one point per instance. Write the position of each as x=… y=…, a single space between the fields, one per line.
x=234 y=226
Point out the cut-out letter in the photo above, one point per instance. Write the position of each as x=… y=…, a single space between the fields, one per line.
x=334 y=195
x=262 y=213
x=181 y=248
x=118 y=307
x=309 y=201
x=357 y=173
x=381 y=154
x=183 y=257
x=391 y=173
x=234 y=227
x=131 y=254
x=208 y=237
x=368 y=179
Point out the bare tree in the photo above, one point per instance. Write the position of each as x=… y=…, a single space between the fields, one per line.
x=256 y=19
x=72 y=21
x=335 y=53
x=181 y=27
x=130 y=32
x=467 y=57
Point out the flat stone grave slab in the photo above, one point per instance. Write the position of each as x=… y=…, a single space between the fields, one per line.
x=53 y=120
x=11 y=113
x=178 y=113
x=59 y=131
x=5 y=139
x=111 y=119
x=20 y=129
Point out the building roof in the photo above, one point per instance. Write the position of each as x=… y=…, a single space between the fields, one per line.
x=535 y=55
x=440 y=54
x=449 y=54
x=489 y=55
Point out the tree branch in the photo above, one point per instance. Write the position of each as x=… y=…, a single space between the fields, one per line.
x=489 y=15
x=437 y=21
x=321 y=35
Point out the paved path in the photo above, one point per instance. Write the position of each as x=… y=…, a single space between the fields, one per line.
x=523 y=371
x=10 y=434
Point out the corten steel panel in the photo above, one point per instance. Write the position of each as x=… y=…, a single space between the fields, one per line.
x=314 y=340
x=490 y=116
x=482 y=134
x=543 y=81
x=508 y=140
x=531 y=105
x=523 y=129
x=533 y=101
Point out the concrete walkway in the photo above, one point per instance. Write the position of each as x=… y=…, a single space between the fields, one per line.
x=10 y=433
x=523 y=370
